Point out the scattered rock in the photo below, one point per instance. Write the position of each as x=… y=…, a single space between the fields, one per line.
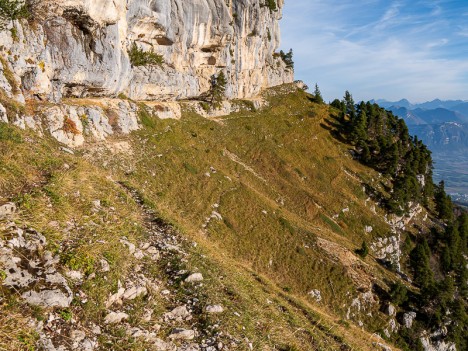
x=105 y=267
x=7 y=209
x=316 y=294
x=115 y=317
x=193 y=278
x=214 y=309
x=67 y=150
x=48 y=298
x=74 y=275
x=408 y=319
x=131 y=247
x=182 y=334
x=142 y=334
x=178 y=313
x=390 y=310
x=134 y=292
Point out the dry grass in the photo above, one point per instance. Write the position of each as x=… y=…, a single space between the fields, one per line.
x=280 y=186
x=15 y=333
x=9 y=76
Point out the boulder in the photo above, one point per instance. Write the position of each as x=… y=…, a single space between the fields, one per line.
x=408 y=319
x=7 y=209
x=115 y=317
x=182 y=334
x=214 y=309
x=194 y=278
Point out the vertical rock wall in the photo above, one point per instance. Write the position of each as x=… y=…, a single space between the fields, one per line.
x=79 y=48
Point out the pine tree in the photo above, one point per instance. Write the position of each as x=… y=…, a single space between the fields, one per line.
x=420 y=256
x=443 y=202
x=218 y=90
x=363 y=251
x=318 y=95
x=349 y=103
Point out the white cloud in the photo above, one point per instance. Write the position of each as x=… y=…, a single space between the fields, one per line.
x=369 y=59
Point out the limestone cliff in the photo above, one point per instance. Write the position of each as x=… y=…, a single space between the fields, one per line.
x=79 y=48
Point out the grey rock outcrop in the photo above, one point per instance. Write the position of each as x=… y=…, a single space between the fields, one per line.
x=214 y=309
x=408 y=319
x=194 y=278
x=436 y=345
x=31 y=271
x=182 y=334
x=79 y=48
x=7 y=209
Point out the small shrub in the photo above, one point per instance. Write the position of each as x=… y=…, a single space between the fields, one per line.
x=11 y=10
x=205 y=106
x=14 y=34
x=122 y=96
x=271 y=4
x=8 y=133
x=287 y=58
x=78 y=262
x=254 y=33
x=28 y=340
x=217 y=92
x=363 y=251
x=69 y=126
x=398 y=293
x=84 y=120
x=66 y=315
x=9 y=75
x=42 y=66
x=139 y=57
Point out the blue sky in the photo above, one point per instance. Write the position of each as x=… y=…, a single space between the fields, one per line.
x=380 y=49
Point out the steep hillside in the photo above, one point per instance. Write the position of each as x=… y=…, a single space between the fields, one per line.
x=141 y=210
x=267 y=205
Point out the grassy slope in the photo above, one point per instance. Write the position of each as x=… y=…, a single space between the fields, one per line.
x=286 y=164
x=278 y=179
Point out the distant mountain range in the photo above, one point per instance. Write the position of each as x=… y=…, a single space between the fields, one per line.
x=443 y=127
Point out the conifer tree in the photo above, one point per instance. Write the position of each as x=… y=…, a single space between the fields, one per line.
x=318 y=95
x=349 y=103
x=420 y=256
x=218 y=90
x=443 y=202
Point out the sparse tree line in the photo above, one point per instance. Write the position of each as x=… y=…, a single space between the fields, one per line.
x=438 y=260
x=382 y=141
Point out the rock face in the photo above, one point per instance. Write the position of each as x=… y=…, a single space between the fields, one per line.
x=79 y=48
x=30 y=270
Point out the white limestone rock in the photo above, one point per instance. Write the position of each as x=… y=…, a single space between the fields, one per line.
x=79 y=48
x=316 y=295
x=408 y=319
x=115 y=317
x=7 y=209
x=182 y=334
x=178 y=313
x=212 y=309
x=194 y=278
x=48 y=298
